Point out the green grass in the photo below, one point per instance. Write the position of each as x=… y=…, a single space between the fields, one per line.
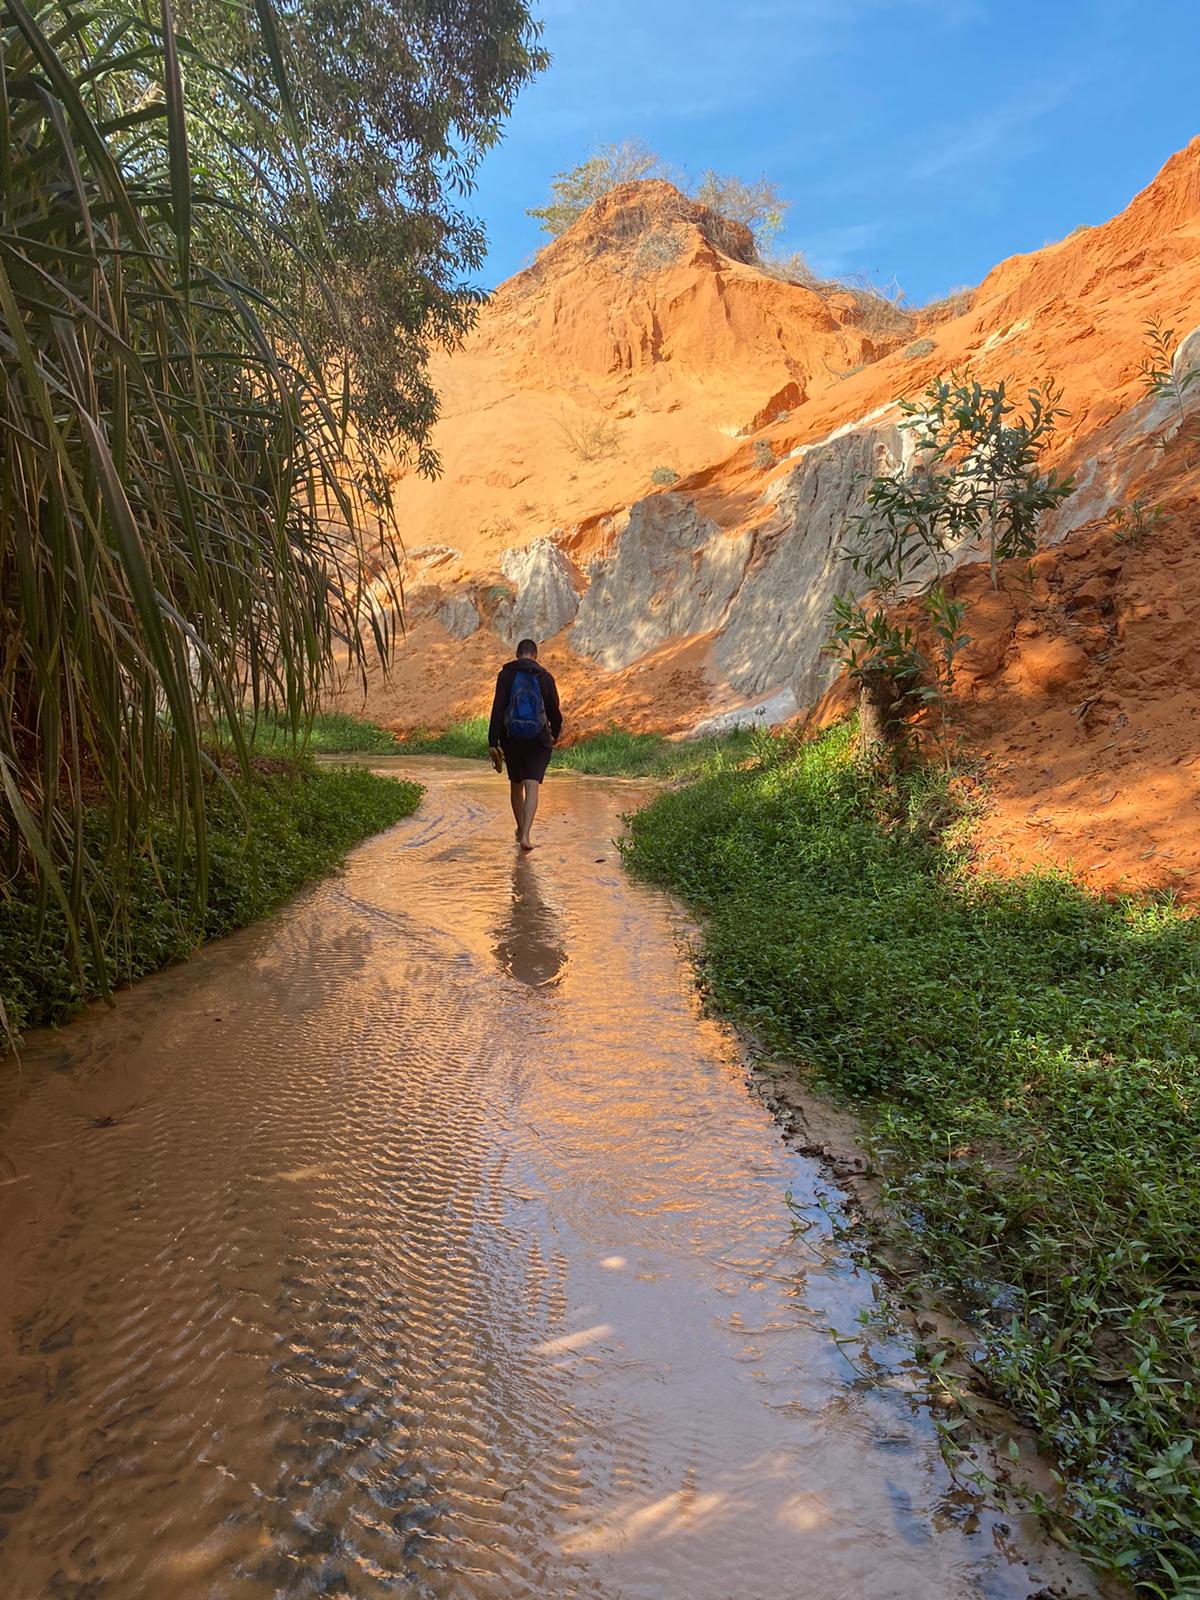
x=332 y=733
x=1027 y=1057
x=300 y=825
x=612 y=754
x=467 y=739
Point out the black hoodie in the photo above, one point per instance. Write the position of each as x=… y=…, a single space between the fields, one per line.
x=504 y=684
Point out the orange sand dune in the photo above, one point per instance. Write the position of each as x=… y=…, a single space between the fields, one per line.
x=644 y=380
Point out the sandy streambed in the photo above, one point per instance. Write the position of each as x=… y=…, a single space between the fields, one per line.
x=424 y=1240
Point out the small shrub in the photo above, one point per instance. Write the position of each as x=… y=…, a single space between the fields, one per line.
x=954 y=304
x=764 y=456
x=839 y=375
x=497 y=594
x=757 y=206
x=881 y=309
x=885 y=662
x=1132 y=523
x=574 y=190
x=1162 y=377
x=920 y=347
x=977 y=481
x=895 y=676
x=658 y=249
x=664 y=477
x=590 y=438
x=795 y=269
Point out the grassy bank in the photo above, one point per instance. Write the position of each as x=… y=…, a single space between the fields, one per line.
x=614 y=753
x=300 y=825
x=331 y=733
x=1027 y=1056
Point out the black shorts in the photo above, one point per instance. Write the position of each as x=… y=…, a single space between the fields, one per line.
x=526 y=758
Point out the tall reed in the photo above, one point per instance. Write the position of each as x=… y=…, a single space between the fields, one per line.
x=183 y=527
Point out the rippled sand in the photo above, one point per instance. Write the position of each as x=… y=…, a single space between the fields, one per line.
x=425 y=1241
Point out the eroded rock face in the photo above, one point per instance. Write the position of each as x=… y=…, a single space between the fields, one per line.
x=673 y=573
x=547 y=593
x=779 y=621
x=767 y=712
x=769 y=591
x=1122 y=450
x=459 y=616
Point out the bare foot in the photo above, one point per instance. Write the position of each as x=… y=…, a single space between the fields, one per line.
x=526 y=844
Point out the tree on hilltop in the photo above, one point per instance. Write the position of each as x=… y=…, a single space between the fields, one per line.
x=758 y=205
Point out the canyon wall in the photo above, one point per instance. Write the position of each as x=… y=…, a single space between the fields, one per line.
x=654 y=452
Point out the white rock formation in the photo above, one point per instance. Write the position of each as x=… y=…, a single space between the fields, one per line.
x=766 y=712
x=778 y=622
x=1119 y=455
x=673 y=572
x=547 y=592
x=458 y=615
x=769 y=592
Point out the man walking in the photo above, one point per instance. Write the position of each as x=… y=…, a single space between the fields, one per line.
x=526 y=720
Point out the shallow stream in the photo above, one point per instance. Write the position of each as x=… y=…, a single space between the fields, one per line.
x=425 y=1240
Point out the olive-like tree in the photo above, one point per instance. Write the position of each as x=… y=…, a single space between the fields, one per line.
x=976 y=482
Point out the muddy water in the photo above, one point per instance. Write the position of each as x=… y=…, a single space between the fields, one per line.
x=425 y=1241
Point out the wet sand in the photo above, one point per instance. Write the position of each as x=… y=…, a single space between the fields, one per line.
x=424 y=1240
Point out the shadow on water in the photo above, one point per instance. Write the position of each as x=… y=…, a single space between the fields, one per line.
x=529 y=936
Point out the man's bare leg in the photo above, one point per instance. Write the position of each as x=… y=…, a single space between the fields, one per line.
x=516 y=794
x=529 y=811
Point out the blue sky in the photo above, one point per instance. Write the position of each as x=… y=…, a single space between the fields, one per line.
x=923 y=140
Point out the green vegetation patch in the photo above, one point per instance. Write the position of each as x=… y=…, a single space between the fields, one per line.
x=613 y=754
x=1027 y=1056
x=266 y=839
x=330 y=733
x=467 y=739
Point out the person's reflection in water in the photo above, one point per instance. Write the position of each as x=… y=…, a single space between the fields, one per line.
x=529 y=940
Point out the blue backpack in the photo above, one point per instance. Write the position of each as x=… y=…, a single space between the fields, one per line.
x=526 y=714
